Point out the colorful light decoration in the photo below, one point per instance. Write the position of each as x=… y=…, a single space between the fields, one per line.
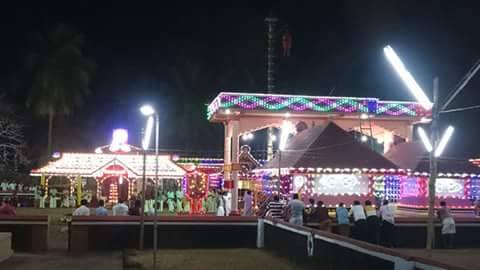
x=119 y=141
x=392 y=187
x=228 y=101
x=93 y=165
x=196 y=185
x=474 y=189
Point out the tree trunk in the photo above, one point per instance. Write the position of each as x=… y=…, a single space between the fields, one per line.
x=50 y=133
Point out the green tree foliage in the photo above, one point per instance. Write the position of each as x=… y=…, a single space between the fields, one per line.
x=60 y=74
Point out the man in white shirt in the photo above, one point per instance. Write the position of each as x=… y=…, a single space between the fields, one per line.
x=83 y=210
x=120 y=209
x=387 y=230
x=359 y=220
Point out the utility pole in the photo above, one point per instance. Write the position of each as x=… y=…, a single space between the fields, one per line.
x=433 y=168
x=271 y=23
x=155 y=218
x=279 y=184
x=142 y=209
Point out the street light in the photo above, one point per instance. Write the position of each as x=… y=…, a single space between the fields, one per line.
x=407 y=78
x=432 y=145
x=152 y=115
x=442 y=143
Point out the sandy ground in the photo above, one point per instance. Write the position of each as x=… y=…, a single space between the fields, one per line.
x=20 y=261
x=468 y=258
x=225 y=259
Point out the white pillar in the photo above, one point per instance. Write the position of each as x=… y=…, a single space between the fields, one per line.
x=235 y=149
x=409 y=137
x=388 y=138
x=227 y=149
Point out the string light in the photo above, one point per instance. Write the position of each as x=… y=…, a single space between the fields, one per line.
x=314 y=104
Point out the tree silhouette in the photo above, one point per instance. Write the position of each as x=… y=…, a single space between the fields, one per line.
x=60 y=74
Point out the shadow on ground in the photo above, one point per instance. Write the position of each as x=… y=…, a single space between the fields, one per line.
x=225 y=259
x=109 y=261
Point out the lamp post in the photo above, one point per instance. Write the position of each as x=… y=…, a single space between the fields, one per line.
x=149 y=111
x=434 y=146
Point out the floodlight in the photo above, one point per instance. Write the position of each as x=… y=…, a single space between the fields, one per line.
x=407 y=78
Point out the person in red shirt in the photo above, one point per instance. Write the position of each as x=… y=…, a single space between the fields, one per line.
x=6 y=209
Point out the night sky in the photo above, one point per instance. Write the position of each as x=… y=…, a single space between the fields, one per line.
x=179 y=58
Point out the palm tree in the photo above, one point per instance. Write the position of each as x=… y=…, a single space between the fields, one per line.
x=60 y=74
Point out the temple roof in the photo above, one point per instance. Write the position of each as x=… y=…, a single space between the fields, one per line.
x=97 y=165
x=413 y=156
x=328 y=146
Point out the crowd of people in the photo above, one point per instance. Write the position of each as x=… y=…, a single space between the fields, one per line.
x=370 y=224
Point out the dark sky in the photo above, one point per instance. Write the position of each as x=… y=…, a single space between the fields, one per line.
x=140 y=49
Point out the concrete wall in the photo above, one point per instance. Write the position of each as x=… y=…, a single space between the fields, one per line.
x=5 y=246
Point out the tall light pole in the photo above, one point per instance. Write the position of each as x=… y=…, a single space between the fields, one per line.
x=145 y=142
x=271 y=23
x=433 y=146
x=149 y=111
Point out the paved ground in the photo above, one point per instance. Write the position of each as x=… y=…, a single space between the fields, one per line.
x=225 y=259
x=468 y=258
x=100 y=261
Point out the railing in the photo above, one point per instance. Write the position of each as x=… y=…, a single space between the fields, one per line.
x=311 y=248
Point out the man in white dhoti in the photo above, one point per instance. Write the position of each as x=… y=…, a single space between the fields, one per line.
x=448 y=225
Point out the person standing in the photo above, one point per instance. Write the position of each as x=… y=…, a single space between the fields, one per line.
x=274 y=208
x=295 y=208
x=448 y=225
x=372 y=223
x=248 y=204
x=83 y=210
x=120 y=209
x=477 y=207
x=221 y=209
x=136 y=209
x=321 y=214
x=342 y=220
x=6 y=209
x=359 y=220
x=387 y=229
x=101 y=210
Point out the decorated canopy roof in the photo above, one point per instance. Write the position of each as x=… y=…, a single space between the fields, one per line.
x=100 y=164
x=315 y=104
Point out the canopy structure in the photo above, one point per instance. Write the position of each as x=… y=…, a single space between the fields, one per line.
x=264 y=103
x=97 y=165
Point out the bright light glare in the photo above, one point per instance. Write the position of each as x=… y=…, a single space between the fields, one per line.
x=148 y=133
x=364 y=138
x=407 y=78
x=247 y=136
x=273 y=138
x=425 y=140
x=120 y=180
x=227 y=111
x=147 y=110
x=364 y=116
x=287 y=129
x=287 y=114
x=443 y=142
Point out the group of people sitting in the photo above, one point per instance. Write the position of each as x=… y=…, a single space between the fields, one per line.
x=120 y=209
